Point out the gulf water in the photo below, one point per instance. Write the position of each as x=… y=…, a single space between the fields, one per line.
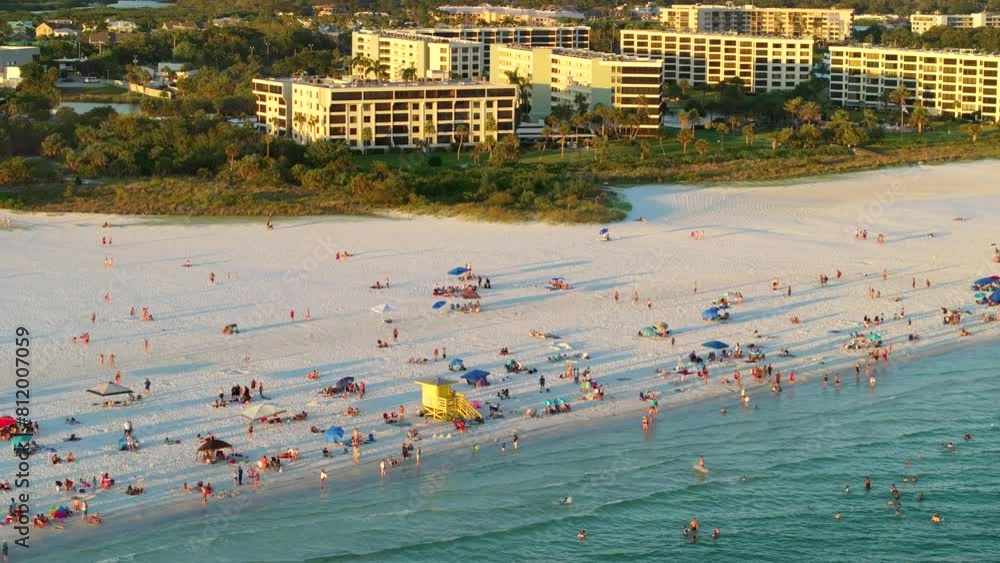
x=633 y=492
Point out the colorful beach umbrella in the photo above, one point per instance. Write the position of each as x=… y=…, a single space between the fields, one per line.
x=6 y=421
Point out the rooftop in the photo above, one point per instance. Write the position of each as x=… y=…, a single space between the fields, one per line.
x=512 y=11
x=948 y=51
x=332 y=83
x=502 y=27
x=415 y=36
x=722 y=34
x=585 y=53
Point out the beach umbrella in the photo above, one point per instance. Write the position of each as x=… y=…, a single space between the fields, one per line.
x=6 y=421
x=262 y=410
x=439 y=304
x=213 y=445
x=457 y=271
x=604 y=231
x=334 y=434
x=343 y=382
x=475 y=375
x=108 y=389
x=715 y=345
x=995 y=297
x=383 y=308
x=980 y=295
x=557 y=278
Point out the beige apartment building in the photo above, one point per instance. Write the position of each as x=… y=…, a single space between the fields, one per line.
x=824 y=24
x=434 y=58
x=497 y=14
x=395 y=115
x=762 y=63
x=948 y=82
x=920 y=23
x=563 y=76
x=568 y=37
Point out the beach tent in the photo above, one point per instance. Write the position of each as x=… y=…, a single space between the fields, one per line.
x=456 y=364
x=439 y=304
x=716 y=345
x=262 y=410
x=986 y=283
x=344 y=382
x=475 y=375
x=109 y=389
x=457 y=271
x=334 y=434
x=213 y=445
x=6 y=421
x=383 y=308
x=994 y=297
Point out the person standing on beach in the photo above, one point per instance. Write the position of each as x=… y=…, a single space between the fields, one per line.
x=145 y=345
x=436 y=354
x=93 y=317
x=5 y=551
x=541 y=384
x=260 y=389
x=291 y=314
x=418 y=455
x=444 y=353
x=381 y=468
x=83 y=509
x=236 y=478
x=322 y=479
x=515 y=442
x=239 y=475
x=250 y=432
x=395 y=335
x=111 y=361
x=649 y=302
x=147 y=384
x=789 y=291
x=211 y=278
x=616 y=296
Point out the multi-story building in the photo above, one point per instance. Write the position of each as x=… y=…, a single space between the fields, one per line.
x=430 y=57
x=576 y=77
x=949 y=82
x=122 y=26
x=56 y=28
x=823 y=24
x=762 y=63
x=385 y=116
x=568 y=37
x=920 y=23
x=496 y=14
x=11 y=59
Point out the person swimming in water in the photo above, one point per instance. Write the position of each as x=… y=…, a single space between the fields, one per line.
x=566 y=500
x=716 y=533
x=936 y=518
x=968 y=437
x=847 y=489
x=868 y=484
x=701 y=461
x=581 y=535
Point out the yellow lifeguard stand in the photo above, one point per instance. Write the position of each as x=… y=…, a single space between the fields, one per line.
x=442 y=403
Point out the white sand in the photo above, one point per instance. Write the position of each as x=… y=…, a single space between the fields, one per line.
x=54 y=277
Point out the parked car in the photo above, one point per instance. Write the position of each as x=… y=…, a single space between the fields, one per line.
x=91 y=80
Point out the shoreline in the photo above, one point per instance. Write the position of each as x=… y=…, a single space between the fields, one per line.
x=122 y=521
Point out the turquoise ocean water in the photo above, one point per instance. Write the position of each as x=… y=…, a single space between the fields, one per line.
x=634 y=493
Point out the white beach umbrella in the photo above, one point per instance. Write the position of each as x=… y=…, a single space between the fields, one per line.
x=108 y=389
x=263 y=410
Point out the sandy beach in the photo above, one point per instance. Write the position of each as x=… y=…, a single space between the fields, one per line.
x=56 y=277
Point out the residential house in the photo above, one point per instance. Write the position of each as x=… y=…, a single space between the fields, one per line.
x=101 y=38
x=180 y=26
x=22 y=27
x=228 y=21
x=56 y=28
x=122 y=26
x=324 y=10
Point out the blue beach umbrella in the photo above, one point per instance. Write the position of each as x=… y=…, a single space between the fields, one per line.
x=334 y=434
x=458 y=271
x=604 y=231
x=344 y=382
x=475 y=375
x=715 y=345
x=439 y=304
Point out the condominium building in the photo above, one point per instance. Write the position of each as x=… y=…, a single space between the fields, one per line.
x=568 y=37
x=572 y=77
x=11 y=59
x=429 y=56
x=762 y=63
x=274 y=100
x=949 y=82
x=497 y=14
x=830 y=25
x=920 y=23
x=384 y=116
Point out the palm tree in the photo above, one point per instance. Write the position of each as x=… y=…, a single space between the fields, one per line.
x=919 y=116
x=299 y=119
x=975 y=130
x=702 y=146
x=564 y=131
x=366 y=137
x=810 y=112
x=722 y=129
x=409 y=74
x=684 y=86
x=793 y=107
x=898 y=97
x=272 y=122
x=749 y=134
x=644 y=151
x=430 y=132
x=490 y=128
x=232 y=151
x=869 y=119
x=461 y=132
x=685 y=137
x=694 y=118
x=361 y=63
x=684 y=119
x=734 y=123
x=523 y=94
x=313 y=122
